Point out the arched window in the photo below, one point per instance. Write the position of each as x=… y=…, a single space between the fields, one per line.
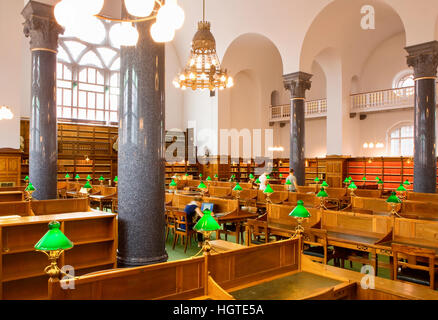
x=401 y=140
x=404 y=79
x=88 y=79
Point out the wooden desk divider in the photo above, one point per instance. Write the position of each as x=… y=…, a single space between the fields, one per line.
x=276 y=197
x=420 y=233
x=366 y=193
x=309 y=199
x=18 y=188
x=374 y=204
x=424 y=197
x=22 y=268
x=46 y=207
x=336 y=193
x=422 y=210
x=219 y=192
x=308 y=189
x=20 y=208
x=9 y=196
x=278 y=214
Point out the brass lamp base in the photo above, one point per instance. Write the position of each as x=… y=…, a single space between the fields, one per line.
x=206 y=246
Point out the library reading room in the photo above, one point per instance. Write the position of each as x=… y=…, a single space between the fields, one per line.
x=218 y=150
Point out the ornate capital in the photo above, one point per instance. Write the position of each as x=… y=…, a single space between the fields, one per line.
x=41 y=26
x=424 y=59
x=297 y=83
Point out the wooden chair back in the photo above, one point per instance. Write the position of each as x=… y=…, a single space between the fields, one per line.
x=180 y=201
x=257 y=228
x=366 y=193
x=276 y=197
x=412 y=252
x=181 y=222
x=20 y=208
x=45 y=207
x=169 y=198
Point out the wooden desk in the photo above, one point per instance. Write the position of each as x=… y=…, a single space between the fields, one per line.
x=222 y=246
x=10 y=196
x=236 y=217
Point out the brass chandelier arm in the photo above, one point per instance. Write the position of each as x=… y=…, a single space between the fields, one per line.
x=151 y=17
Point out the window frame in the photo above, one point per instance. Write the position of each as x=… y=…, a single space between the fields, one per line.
x=400 y=138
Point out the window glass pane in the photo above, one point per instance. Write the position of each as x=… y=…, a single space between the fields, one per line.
x=91 y=59
x=91 y=115
x=59 y=112
x=82 y=99
x=407 y=147
x=67 y=97
x=91 y=100
x=83 y=75
x=395 y=147
x=59 y=71
x=107 y=55
x=407 y=131
x=99 y=102
x=67 y=73
x=113 y=117
x=64 y=84
x=91 y=87
x=91 y=75
x=395 y=133
x=67 y=113
x=82 y=114
x=116 y=65
x=100 y=79
x=59 y=96
x=62 y=55
x=99 y=116
x=74 y=113
x=75 y=48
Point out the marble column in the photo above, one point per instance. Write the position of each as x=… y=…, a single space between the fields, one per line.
x=297 y=83
x=141 y=153
x=424 y=60
x=41 y=27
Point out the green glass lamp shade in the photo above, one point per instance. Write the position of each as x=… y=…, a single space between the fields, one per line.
x=173 y=183
x=268 y=189
x=116 y=179
x=401 y=188
x=380 y=181
x=352 y=186
x=200 y=175
x=67 y=176
x=77 y=177
x=393 y=198
x=216 y=176
x=187 y=174
x=281 y=175
x=54 y=239
x=30 y=187
x=237 y=187
x=350 y=178
x=322 y=194
x=377 y=178
x=288 y=183
x=316 y=180
x=233 y=176
x=407 y=183
x=89 y=178
x=364 y=179
x=268 y=177
x=251 y=176
x=346 y=181
x=202 y=186
x=208 y=178
x=300 y=211
x=207 y=223
x=88 y=185
x=26 y=178
x=101 y=179
x=324 y=184
x=257 y=181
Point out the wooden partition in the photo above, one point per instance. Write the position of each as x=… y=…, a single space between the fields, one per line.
x=279 y=215
x=421 y=210
x=373 y=204
x=46 y=207
x=180 y=201
x=219 y=192
x=22 y=268
x=19 y=188
x=8 y=196
x=279 y=187
x=222 y=205
x=233 y=268
x=366 y=193
x=424 y=197
x=310 y=200
x=276 y=197
x=308 y=189
x=173 y=280
x=104 y=190
x=356 y=223
x=416 y=232
x=20 y=208
x=336 y=193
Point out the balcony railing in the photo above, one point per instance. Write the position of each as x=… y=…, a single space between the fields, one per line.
x=314 y=109
x=362 y=102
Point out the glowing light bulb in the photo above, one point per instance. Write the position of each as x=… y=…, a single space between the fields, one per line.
x=140 y=8
x=162 y=32
x=182 y=77
x=171 y=14
x=230 y=82
x=192 y=76
x=89 y=29
x=124 y=34
x=223 y=78
x=365 y=145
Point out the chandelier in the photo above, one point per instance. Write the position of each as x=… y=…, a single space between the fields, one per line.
x=203 y=70
x=5 y=113
x=81 y=18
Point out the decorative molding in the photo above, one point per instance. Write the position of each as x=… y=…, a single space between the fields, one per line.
x=297 y=83
x=41 y=27
x=424 y=59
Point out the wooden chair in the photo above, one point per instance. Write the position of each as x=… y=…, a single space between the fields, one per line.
x=183 y=229
x=409 y=270
x=170 y=223
x=315 y=246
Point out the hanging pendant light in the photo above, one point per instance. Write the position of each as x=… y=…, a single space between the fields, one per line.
x=80 y=18
x=203 y=70
x=5 y=113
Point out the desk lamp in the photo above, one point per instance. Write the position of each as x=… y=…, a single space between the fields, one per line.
x=29 y=190
x=352 y=187
x=364 y=180
x=173 y=185
x=88 y=188
x=238 y=189
x=101 y=179
x=324 y=185
x=268 y=192
x=89 y=178
x=53 y=244
x=116 y=180
x=77 y=177
x=200 y=176
x=206 y=225
x=26 y=180
x=317 y=180
x=300 y=213
x=287 y=184
x=406 y=183
x=216 y=177
x=203 y=188
x=67 y=177
x=346 y=182
x=402 y=191
x=208 y=181
x=322 y=195
x=380 y=184
x=393 y=201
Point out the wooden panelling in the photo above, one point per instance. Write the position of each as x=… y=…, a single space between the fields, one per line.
x=10 y=168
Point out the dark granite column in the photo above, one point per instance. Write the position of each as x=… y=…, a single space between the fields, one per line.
x=41 y=27
x=424 y=59
x=297 y=83
x=141 y=153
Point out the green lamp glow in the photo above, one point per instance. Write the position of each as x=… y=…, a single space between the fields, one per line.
x=322 y=194
x=173 y=183
x=202 y=186
x=407 y=183
x=281 y=175
x=207 y=223
x=88 y=185
x=216 y=176
x=89 y=178
x=208 y=178
x=257 y=181
x=53 y=244
x=352 y=186
x=346 y=181
x=67 y=176
x=187 y=174
x=30 y=187
x=26 y=178
x=350 y=178
x=54 y=239
x=300 y=211
x=101 y=178
x=364 y=179
x=401 y=188
x=268 y=177
x=200 y=175
x=324 y=184
x=268 y=190
x=393 y=198
x=377 y=178
x=77 y=177
x=317 y=180
x=380 y=181
x=116 y=179
x=251 y=176
x=288 y=183
x=237 y=187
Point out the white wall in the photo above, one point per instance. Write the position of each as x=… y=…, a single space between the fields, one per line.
x=174 y=96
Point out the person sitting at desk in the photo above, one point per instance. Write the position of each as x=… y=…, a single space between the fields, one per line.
x=194 y=213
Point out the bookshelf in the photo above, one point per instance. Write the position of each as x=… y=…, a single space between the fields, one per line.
x=22 y=268
x=315 y=167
